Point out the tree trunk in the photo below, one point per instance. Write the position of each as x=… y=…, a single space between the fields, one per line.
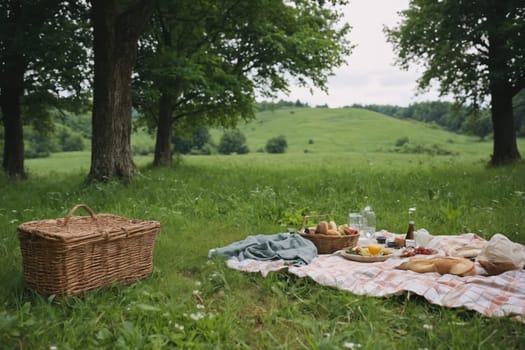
x=13 y=161
x=12 y=90
x=163 y=154
x=116 y=32
x=505 y=148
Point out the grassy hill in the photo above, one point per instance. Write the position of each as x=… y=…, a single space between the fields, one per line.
x=324 y=130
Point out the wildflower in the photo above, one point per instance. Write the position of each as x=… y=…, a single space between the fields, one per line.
x=200 y=306
x=351 y=345
x=196 y=292
x=197 y=316
x=428 y=326
x=53 y=347
x=198 y=283
x=179 y=327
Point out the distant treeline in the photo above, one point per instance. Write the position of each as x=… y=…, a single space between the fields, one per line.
x=452 y=117
x=445 y=114
x=269 y=106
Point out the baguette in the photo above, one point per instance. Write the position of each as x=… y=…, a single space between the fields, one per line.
x=442 y=265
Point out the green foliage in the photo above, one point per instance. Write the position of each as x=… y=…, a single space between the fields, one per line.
x=38 y=145
x=233 y=141
x=197 y=142
x=61 y=138
x=79 y=122
x=52 y=37
x=478 y=124
x=276 y=145
x=142 y=143
x=401 y=141
x=69 y=141
x=271 y=106
x=463 y=45
x=434 y=150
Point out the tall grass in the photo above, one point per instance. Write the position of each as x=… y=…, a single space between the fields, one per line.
x=191 y=302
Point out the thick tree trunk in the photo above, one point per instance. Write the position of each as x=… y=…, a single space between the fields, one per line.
x=12 y=91
x=163 y=154
x=13 y=160
x=115 y=45
x=505 y=148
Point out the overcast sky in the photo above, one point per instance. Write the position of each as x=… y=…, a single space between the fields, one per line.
x=369 y=77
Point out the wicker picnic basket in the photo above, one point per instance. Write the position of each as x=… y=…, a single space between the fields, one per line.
x=327 y=244
x=76 y=254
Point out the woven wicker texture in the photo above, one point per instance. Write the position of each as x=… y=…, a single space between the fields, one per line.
x=327 y=244
x=76 y=254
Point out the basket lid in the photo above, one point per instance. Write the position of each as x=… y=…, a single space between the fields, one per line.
x=92 y=227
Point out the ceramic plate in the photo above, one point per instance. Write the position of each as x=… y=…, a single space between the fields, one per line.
x=361 y=258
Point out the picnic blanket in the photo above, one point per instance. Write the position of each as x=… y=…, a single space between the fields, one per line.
x=494 y=296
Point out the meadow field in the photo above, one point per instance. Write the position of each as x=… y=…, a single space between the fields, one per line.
x=203 y=202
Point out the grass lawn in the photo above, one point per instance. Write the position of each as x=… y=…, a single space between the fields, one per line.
x=190 y=302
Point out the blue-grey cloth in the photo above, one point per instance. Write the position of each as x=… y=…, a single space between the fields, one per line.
x=290 y=247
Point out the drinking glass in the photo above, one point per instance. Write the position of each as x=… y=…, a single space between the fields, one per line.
x=355 y=221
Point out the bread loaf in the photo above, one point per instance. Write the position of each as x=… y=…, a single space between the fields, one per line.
x=331 y=232
x=496 y=267
x=322 y=227
x=442 y=265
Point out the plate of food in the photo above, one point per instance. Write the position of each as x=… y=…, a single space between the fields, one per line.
x=370 y=253
x=413 y=251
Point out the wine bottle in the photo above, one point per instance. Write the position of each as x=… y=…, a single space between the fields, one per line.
x=409 y=238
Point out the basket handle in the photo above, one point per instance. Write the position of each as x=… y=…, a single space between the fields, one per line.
x=306 y=217
x=72 y=211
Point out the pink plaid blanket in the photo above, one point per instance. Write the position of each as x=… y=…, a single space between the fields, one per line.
x=495 y=296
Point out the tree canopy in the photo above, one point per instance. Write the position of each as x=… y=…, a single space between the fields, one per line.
x=44 y=65
x=475 y=50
